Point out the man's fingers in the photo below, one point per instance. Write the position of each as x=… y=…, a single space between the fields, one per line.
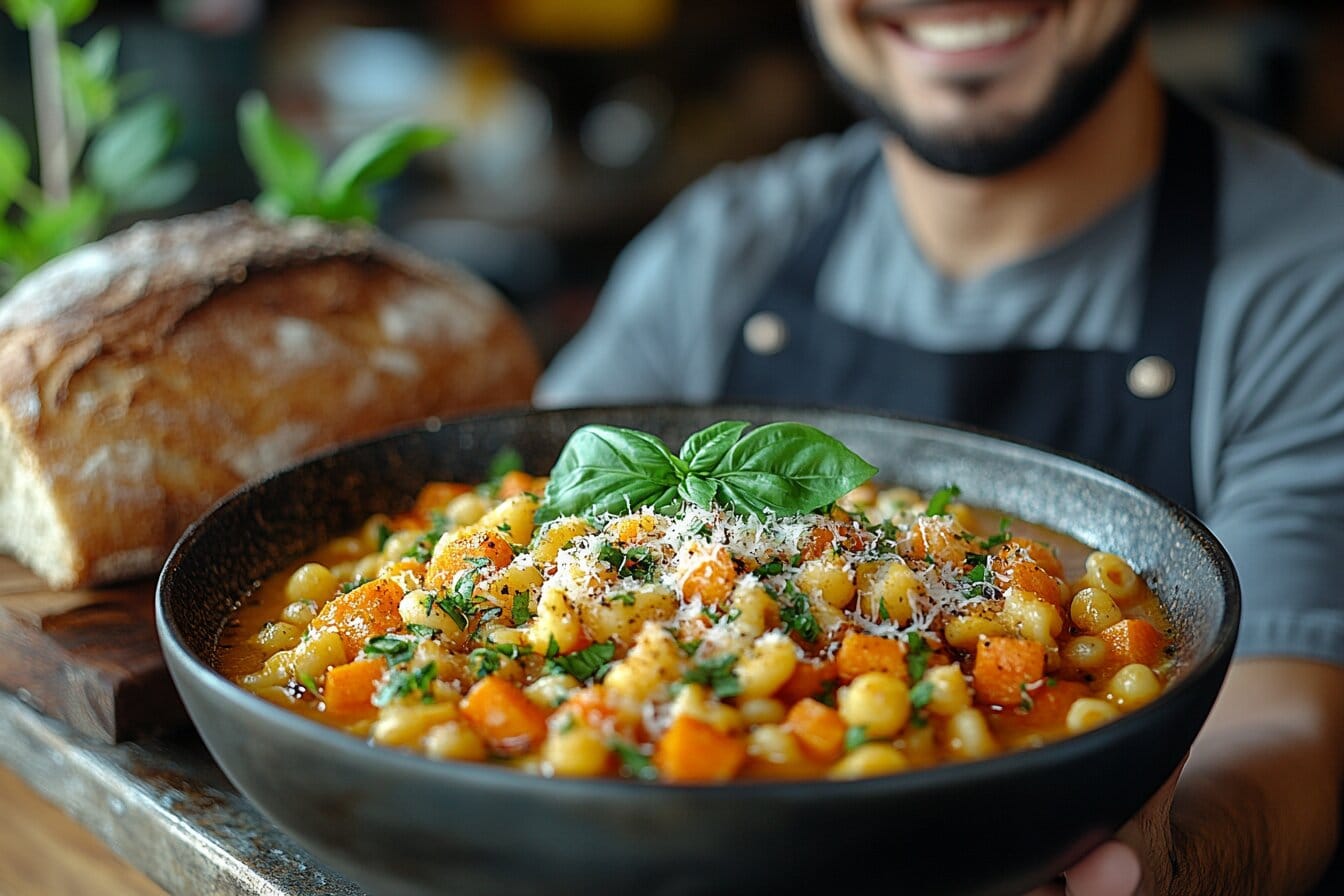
x=1111 y=869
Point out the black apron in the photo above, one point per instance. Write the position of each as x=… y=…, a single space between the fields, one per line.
x=1073 y=400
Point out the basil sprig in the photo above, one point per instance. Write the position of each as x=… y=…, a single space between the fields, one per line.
x=779 y=468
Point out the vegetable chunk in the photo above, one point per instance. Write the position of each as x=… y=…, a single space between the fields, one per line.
x=1004 y=667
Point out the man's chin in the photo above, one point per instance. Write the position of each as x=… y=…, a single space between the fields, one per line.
x=992 y=148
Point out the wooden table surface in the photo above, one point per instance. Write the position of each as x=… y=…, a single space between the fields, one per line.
x=43 y=852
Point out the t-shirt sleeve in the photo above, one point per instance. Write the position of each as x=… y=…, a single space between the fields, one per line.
x=1278 y=487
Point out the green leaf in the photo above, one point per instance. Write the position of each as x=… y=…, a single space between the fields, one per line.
x=718 y=675
x=591 y=662
x=607 y=469
x=88 y=80
x=67 y=12
x=54 y=229
x=855 y=737
x=938 y=503
x=704 y=449
x=506 y=460
x=788 y=468
x=14 y=162
x=131 y=146
x=698 y=491
x=159 y=188
x=635 y=763
x=377 y=156
x=395 y=650
x=921 y=694
x=287 y=167
x=917 y=655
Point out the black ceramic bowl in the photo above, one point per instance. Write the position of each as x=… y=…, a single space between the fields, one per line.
x=401 y=824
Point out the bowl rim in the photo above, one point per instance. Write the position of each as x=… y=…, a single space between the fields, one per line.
x=185 y=662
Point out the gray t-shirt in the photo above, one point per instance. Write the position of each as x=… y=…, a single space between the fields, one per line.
x=1267 y=433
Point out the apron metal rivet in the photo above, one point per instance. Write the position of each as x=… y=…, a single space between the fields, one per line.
x=1151 y=377
x=765 y=333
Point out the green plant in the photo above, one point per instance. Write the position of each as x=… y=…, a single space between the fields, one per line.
x=95 y=157
x=779 y=468
x=289 y=169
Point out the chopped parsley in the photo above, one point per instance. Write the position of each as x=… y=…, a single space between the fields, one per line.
x=917 y=655
x=486 y=660
x=623 y=597
x=773 y=568
x=690 y=647
x=347 y=587
x=423 y=549
x=393 y=649
x=1025 y=704
x=921 y=694
x=636 y=563
x=591 y=662
x=404 y=683
x=309 y=683
x=718 y=675
x=978 y=579
x=384 y=533
x=882 y=612
x=1000 y=537
x=796 y=613
x=855 y=737
x=941 y=498
x=635 y=763
x=421 y=631
x=522 y=607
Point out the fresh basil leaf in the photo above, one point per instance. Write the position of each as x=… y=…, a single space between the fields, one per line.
x=286 y=166
x=941 y=498
x=377 y=156
x=607 y=469
x=698 y=491
x=704 y=449
x=788 y=468
x=404 y=683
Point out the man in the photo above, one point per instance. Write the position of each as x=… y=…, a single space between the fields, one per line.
x=1030 y=234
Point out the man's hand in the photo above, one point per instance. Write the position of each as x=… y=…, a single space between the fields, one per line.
x=1257 y=808
x=1137 y=861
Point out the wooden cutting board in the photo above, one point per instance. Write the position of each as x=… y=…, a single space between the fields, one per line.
x=90 y=658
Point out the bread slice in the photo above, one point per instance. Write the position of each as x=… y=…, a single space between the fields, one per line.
x=146 y=375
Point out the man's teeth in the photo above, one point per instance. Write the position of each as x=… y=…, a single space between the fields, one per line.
x=969 y=34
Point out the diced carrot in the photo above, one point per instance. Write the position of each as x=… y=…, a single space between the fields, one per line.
x=410 y=520
x=516 y=482
x=1131 y=641
x=349 y=688
x=809 y=679
x=692 y=751
x=816 y=543
x=860 y=653
x=367 y=611
x=462 y=551
x=1015 y=567
x=709 y=574
x=1041 y=555
x=503 y=717
x=1003 y=666
x=819 y=730
x=436 y=495
x=1049 y=704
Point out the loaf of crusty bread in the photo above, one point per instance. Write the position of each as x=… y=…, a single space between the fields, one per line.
x=144 y=376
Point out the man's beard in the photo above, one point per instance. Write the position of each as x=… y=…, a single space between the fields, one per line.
x=1079 y=90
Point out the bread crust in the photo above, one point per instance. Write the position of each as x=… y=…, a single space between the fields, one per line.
x=144 y=376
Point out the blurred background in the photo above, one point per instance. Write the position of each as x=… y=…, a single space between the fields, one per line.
x=577 y=120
